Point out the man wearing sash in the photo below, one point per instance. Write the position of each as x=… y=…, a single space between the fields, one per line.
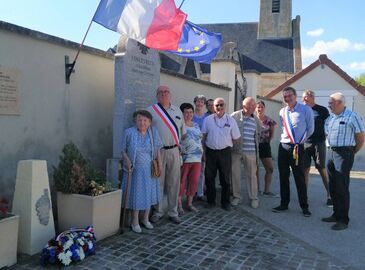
x=298 y=124
x=169 y=122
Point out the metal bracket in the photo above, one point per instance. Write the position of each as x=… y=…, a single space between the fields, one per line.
x=69 y=69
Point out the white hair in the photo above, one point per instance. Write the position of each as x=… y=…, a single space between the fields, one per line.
x=338 y=96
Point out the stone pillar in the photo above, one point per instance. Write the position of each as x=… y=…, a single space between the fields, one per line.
x=32 y=202
x=137 y=76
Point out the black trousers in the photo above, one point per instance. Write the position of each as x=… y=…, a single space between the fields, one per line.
x=339 y=165
x=285 y=162
x=221 y=161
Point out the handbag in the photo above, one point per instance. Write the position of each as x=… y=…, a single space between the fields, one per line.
x=155 y=167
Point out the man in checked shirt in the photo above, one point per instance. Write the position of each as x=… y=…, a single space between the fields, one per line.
x=345 y=135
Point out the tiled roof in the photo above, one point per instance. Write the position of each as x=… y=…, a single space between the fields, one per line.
x=261 y=55
x=322 y=60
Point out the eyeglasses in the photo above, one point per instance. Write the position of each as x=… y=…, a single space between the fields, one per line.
x=286 y=96
x=219 y=105
x=163 y=92
x=331 y=102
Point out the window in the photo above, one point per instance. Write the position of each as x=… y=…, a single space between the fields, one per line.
x=275 y=6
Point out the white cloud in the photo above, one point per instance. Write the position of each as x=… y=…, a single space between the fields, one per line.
x=358 y=66
x=315 y=33
x=339 y=45
x=359 y=46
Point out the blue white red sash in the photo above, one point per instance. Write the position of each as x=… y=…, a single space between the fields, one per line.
x=288 y=126
x=169 y=122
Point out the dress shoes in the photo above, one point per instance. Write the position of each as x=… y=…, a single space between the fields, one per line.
x=175 y=220
x=329 y=219
x=306 y=212
x=279 y=209
x=226 y=207
x=339 y=226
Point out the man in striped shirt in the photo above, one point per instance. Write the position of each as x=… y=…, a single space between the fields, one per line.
x=345 y=135
x=247 y=152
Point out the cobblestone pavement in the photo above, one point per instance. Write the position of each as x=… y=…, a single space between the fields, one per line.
x=210 y=239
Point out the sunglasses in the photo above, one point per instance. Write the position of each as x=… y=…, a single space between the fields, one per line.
x=219 y=105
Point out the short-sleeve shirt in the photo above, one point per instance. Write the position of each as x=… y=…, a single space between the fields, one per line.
x=165 y=133
x=199 y=119
x=341 y=129
x=265 y=129
x=220 y=132
x=191 y=145
x=320 y=114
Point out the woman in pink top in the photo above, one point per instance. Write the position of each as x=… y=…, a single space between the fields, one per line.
x=267 y=133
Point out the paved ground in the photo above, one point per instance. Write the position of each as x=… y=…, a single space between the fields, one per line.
x=243 y=238
x=348 y=245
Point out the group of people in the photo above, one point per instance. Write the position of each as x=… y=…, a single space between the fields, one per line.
x=192 y=146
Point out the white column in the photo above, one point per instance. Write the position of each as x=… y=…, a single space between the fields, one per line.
x=32 y=202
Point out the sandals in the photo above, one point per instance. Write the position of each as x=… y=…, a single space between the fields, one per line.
x=192 y=209
x=180 y=211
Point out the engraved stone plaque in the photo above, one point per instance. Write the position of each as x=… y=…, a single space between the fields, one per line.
x=9 y=91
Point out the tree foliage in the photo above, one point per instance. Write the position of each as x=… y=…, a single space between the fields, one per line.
x=361 y=79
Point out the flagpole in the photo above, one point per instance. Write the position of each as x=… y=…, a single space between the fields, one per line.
x=181 y=4
x=70 y=67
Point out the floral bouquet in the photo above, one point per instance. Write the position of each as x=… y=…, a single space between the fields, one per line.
x=72 y=245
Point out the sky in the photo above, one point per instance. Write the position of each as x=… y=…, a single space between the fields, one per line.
x=332 y=27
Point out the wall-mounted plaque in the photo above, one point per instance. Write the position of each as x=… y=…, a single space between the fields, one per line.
x=9 y=91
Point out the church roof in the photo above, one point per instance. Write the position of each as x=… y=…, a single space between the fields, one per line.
x=261 y=55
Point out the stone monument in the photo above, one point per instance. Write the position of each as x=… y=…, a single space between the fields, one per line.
x=137 y=76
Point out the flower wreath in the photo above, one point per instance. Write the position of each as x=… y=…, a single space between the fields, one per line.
x=72 y=245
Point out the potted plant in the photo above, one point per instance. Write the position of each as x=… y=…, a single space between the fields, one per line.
x=9 y=225
x=84 y=196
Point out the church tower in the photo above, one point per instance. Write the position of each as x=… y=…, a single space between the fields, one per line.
x=275 y=19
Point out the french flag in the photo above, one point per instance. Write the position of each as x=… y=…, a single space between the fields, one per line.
x=157 y=24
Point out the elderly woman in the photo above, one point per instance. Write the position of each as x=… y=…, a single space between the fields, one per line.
x=267 y=133
x=192 y=151
x=140 y=146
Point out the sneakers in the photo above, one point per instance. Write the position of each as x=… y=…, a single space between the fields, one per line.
x=147 y=224
x=175 y=220
x=329 y=202
x=235 y=201
x=306 y=213
x=254 y=204
x=329 y=219
x=279 y=209
x=339 y=226
x=136 y=228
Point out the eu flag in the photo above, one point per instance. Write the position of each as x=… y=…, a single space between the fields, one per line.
x=197 y=44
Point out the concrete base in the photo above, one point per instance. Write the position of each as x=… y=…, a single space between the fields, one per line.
x=80 y=211
x=32 y=202
x=8 y=240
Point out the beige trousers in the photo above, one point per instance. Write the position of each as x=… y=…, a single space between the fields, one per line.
x=250 y=168
x=169 y=182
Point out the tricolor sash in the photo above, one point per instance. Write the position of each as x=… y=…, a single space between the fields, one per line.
x=291 y=134
x=169 y=122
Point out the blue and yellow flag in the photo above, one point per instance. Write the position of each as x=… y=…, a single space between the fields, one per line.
x=197 y=44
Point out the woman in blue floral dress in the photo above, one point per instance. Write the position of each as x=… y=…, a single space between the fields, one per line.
x=140 y=145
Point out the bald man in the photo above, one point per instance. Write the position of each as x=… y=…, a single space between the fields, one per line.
x=247 y=152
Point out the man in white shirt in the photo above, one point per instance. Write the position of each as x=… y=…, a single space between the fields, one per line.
x=220 y=132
